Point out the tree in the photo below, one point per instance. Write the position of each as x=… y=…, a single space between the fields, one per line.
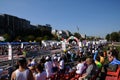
x=7 y=37
x=115 y=36
x=29 y=38
x=45 y=38
x=77 y=35
x=18 y=38
x=38 y=39
x=108 y=37
x=55 y=37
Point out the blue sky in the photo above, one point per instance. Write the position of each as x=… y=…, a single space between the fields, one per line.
x=93 y=17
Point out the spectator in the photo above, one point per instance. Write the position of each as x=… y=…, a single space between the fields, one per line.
x=101 y=54
x=112 y=58
x=41 y=74
x=105 y=54
x=55 y=65
x=97 y=62
x=32 y=68
x=113 y=62
x=48 y=66
x=29 y=62
x=33 y=62
x=61 y=65
x=42 y=60
x=90 y=71
x=79 y=66
x=22 y=73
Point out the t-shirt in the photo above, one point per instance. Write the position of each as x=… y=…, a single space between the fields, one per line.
x=115 y=61
x=21 y=75
x=61 y=64
x=79 y=68
x=102 y=59
x=41 y=76
x=99 y=65
x=48 y=68
x=89 y=69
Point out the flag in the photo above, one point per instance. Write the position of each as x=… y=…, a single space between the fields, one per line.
x=77 y=28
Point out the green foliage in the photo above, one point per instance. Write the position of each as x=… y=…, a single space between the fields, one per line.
x=29 y=38
x=35 y=33
x=18 y=38
x=7 y=37
x=77 y=35
x=114 y=36
x=55 y=37
x=108 y=37
x=45 y=38
x=38 y=39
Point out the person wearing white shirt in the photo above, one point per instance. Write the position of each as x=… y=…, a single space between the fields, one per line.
x=48 y=67
x=61 y=65
x=79 y=67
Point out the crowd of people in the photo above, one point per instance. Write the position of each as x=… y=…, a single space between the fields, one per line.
x=86 y=61
x=45 y=67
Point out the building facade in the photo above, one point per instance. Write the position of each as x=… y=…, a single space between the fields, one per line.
x=15 y=26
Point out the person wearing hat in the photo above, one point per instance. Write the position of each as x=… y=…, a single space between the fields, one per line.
x=22 y=73
x=48 y=66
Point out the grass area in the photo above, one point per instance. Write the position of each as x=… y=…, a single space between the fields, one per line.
x=117 y=47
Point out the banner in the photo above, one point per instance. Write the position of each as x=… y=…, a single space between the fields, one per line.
x=9 y=52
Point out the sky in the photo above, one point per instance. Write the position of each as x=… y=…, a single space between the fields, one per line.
x=93 y=17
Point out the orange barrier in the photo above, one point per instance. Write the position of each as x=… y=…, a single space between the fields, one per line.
x=60 y=76
x=69 y=75
x=53 y=77
x=113 y=75
x=76 y=77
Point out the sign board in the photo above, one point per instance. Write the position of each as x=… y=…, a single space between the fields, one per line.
x=9 y=52
x=63 y=46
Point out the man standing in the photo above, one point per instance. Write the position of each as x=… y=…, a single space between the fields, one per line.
x=22 y=73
